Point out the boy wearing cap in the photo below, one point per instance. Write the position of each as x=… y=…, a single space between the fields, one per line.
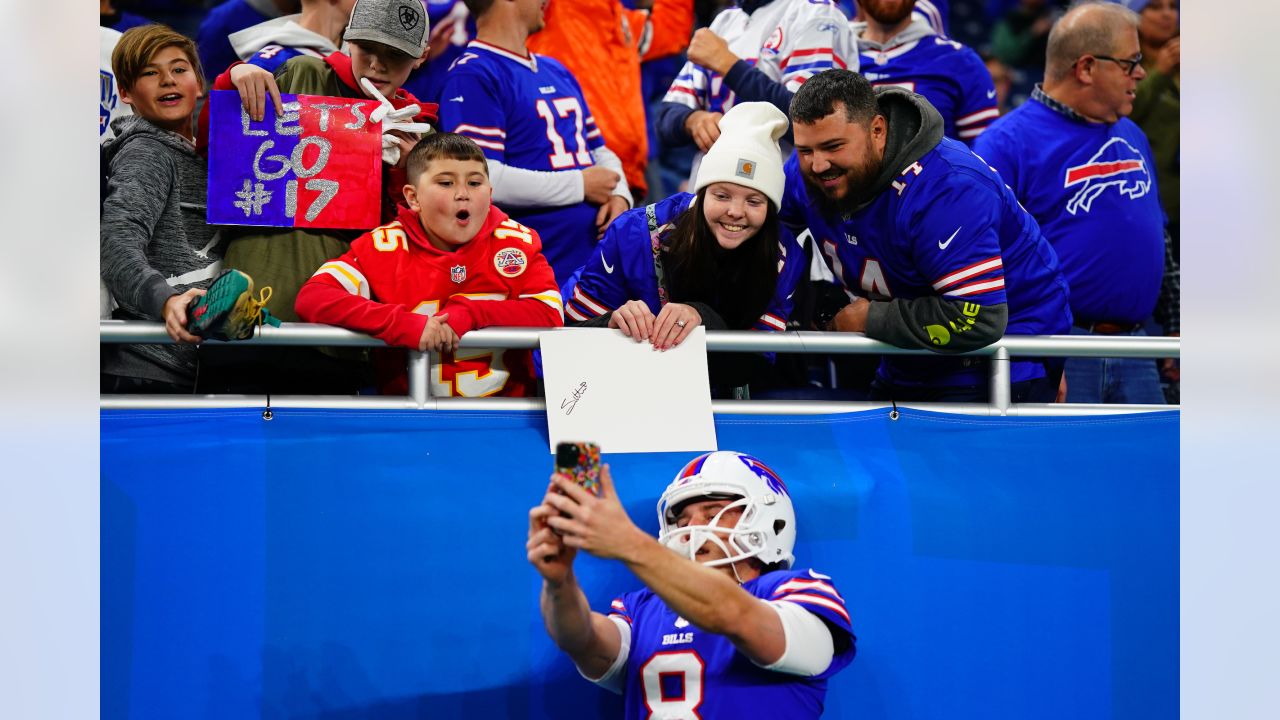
x=718 y=258
x=388 y=39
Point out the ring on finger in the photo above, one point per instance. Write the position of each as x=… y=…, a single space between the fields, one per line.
x=681 y=323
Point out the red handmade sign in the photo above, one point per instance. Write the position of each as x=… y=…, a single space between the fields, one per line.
x=317 y=164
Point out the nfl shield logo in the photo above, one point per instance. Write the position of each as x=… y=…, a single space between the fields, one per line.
x=458 y=273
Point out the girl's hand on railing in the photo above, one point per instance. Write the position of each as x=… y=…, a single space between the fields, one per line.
x=673 y=325
x=634 y=319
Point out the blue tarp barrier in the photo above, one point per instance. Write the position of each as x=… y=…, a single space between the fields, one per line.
x=337 y=564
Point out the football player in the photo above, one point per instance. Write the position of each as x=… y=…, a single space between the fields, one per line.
x=726 y=627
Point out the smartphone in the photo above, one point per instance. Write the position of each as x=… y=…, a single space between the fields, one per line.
x=581 y=462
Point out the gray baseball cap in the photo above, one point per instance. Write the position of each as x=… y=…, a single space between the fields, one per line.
x=401 y=24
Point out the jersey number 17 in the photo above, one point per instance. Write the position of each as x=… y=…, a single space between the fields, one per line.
x=562 y=157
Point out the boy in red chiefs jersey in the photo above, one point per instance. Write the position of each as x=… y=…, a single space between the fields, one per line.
x=451 y=262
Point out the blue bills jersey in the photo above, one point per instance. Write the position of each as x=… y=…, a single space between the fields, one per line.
x=528 y=112
x=271 y=57
x=621 y=266
x=949 y=75
x=947 y=226
x=1092 y=187
x=934 y=12
x=675 y=670
x=452 y=27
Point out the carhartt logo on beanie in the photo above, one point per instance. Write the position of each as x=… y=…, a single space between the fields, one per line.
x=401 y=24
x=747 y=152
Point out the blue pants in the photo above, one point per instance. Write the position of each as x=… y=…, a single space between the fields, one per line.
x=1113 y=380
x=1039 y=390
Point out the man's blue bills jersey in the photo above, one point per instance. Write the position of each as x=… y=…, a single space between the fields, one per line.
x=528 y=112
x=949 y=75
x=675 y=670
x=947 y=226
x=1092 y=187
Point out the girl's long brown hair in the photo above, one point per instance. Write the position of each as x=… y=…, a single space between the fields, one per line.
x=738 y=284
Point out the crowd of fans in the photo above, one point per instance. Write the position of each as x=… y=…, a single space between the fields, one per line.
x=621 y=162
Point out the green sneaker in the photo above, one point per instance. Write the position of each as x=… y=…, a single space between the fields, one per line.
x=228 y=311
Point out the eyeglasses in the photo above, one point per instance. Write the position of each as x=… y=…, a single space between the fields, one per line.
x=1128 y=65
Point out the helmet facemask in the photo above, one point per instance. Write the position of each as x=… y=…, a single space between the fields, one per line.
x=741 y=541
x=765 y=529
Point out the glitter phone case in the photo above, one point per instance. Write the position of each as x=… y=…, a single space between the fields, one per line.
x=580 y=461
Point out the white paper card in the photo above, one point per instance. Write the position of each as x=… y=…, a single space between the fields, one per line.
x=623 y=395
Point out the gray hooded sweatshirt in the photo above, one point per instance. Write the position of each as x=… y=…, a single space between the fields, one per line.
x=155 y=242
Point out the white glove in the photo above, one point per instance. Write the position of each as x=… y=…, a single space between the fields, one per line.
x=393 y=119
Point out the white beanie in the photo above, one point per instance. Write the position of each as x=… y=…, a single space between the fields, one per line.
x=747 y=152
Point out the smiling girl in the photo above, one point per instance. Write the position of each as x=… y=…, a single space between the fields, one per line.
x=717 y=258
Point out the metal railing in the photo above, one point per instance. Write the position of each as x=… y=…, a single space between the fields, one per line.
x=802 y=342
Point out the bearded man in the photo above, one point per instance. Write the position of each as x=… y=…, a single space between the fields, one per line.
x=932 y=250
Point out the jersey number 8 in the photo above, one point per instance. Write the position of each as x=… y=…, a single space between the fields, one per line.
x=673 y=685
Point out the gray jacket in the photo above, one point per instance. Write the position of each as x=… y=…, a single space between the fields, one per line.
x=155 y=242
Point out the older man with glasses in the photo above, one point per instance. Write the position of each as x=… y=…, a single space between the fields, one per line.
x=1086 y=173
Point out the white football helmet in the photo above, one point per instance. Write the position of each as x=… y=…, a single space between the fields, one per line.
x=765 y=530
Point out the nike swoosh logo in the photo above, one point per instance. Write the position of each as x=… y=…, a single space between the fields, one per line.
x=457 y=99
x=606 y=265
x=943 y=245
x=991 y=94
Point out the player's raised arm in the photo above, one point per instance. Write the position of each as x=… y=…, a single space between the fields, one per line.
x=720 y=589
x=589 y=638
x=707 y=598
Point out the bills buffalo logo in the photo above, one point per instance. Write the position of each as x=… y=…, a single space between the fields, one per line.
x=774 y=43
x=1116 y=165
x=765 y=473
x=408 y=17
x=510 y=262
x=771 y=479
x=458 y=273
